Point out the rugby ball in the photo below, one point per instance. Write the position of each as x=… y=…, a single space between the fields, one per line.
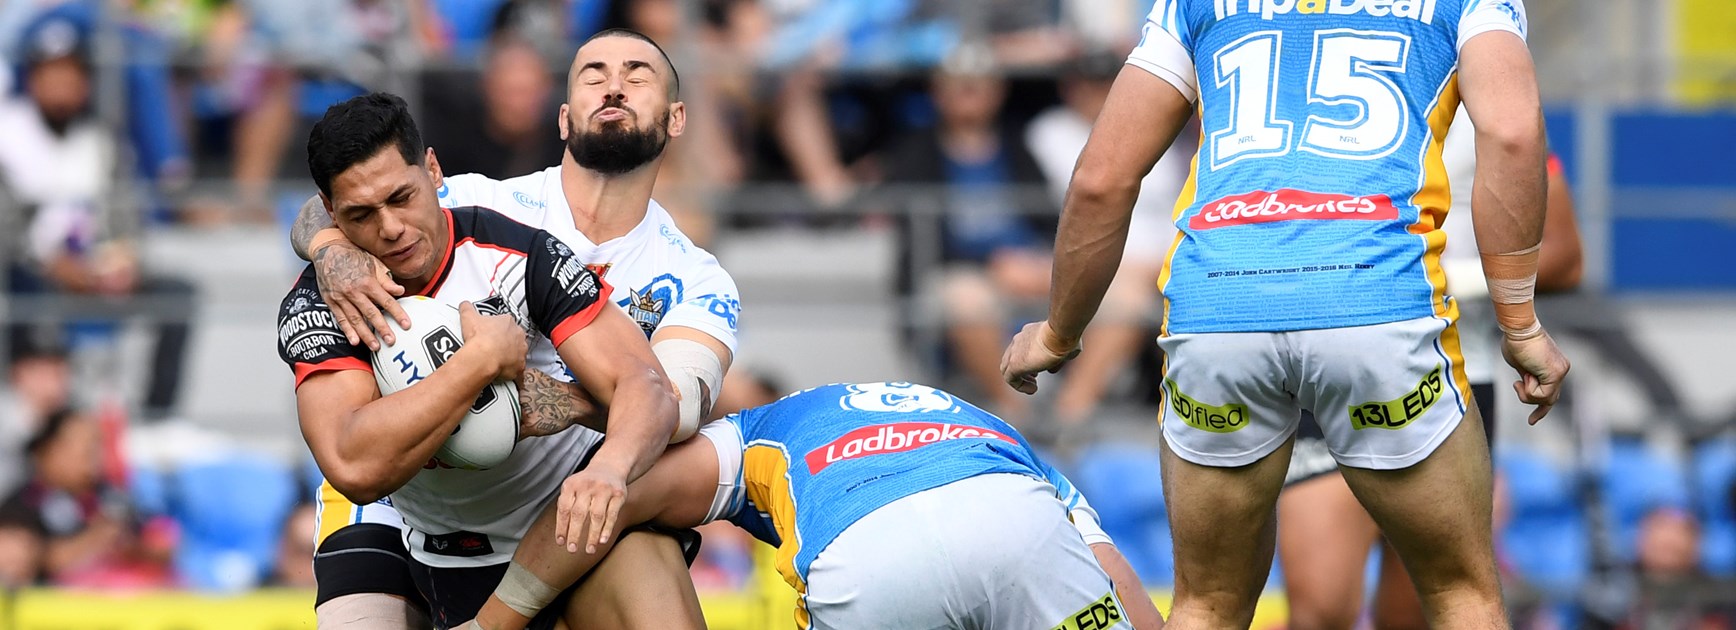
x=487 y=434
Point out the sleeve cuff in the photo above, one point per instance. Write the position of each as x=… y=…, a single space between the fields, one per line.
x=304 y=370
x=1085 y=520
x=1468 y=31
x=1165 y=57
x=721 y=334
x=578 y=321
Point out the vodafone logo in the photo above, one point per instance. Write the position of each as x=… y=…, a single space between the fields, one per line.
x=1286 y=204
x=894 y=438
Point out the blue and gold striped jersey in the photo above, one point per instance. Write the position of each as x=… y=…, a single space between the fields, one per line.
x=1318 y=192
x=818 y=460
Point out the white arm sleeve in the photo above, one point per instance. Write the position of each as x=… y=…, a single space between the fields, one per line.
x=1163 y=49
x=1079 y=511
x=725 y=436
x=1085 y=520
x=1484 y=16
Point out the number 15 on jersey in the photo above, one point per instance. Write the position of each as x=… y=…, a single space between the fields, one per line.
x=1353 y=108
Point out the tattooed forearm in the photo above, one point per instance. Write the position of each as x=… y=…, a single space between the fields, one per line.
x=342 y=266
x=550 y=406
x=309 y=222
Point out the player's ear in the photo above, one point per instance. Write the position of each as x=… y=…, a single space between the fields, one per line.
x=327 y=202
x=562 y=121
x=434 y=169
x=677 y=119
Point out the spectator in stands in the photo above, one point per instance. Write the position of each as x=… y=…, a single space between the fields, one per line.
x=996 y=224
x=1121 y=330
x=153 y=129
x=1675 y=592
x=267 y=66
x=465 y=28
x=510 y=129
x=90 y=539
x=295 y=551
x=39 y=381
x=62 y=166
x=813 y=40
x=1669 y=545
x=21 y=548
x=1105 y=24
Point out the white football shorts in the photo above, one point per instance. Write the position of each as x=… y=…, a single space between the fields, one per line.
x=991 y=551
x=1385 y=395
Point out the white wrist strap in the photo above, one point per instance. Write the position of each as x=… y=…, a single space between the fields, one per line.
x=695 y=373
x=523 y=592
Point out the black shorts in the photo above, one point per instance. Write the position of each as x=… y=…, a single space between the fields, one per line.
x=456 y=595
x=1311 y=458
x=364 y=558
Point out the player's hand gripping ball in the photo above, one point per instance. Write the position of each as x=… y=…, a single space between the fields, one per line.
x=486 y=435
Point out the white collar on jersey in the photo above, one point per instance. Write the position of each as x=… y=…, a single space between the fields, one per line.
x=555 y=197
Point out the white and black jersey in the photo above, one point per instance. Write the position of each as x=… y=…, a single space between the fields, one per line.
x=458 y=517
x=664 y=279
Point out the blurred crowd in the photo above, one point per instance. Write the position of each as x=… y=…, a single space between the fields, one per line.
x=952 y=125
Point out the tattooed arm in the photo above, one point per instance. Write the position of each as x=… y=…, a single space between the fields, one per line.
x=550 y=406
x=308 y=223
x=356 y=286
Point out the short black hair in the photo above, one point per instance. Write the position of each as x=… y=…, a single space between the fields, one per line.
x=51 y=427
x=352 y=131
x=674 y=77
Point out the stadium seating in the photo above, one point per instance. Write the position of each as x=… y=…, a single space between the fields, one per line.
x=1715 y=494
x=148 y=490
x=1636 y=481
x=1125 y=485
x=231 y=513
x=1546 y=541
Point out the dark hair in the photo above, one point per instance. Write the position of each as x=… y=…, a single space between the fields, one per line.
x=355 y=130
x=50 y=429
x=32 y=341
x=674 y=77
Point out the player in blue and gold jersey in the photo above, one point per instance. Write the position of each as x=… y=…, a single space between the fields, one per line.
x=892 y=505
x=1307 y=273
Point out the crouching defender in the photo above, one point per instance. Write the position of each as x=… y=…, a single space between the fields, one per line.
x=892 y=505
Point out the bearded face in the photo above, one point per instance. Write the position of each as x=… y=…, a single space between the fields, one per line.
x=614 y=138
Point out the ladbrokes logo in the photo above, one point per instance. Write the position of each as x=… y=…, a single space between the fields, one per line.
x=1226 y=418
x=1419 y=10
x=894 y=438
x=1286 y=204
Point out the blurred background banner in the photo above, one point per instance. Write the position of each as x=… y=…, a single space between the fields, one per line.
x=882 y=178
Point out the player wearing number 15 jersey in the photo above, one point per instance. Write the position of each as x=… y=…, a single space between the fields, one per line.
x=1307 y=272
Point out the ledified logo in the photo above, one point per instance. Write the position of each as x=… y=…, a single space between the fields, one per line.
x=1225 y=418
